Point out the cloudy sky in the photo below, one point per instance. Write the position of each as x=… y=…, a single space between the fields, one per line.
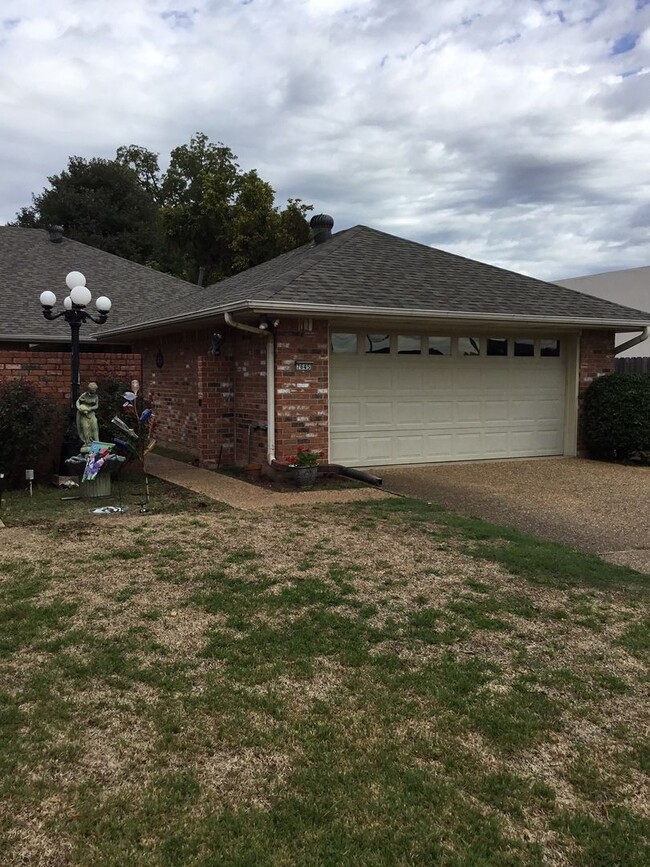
x=516 y=132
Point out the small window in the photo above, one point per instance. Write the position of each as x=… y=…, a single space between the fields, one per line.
x=440 y=346
x=378 y=343
x=524 y=347
x=497 y=346
x=343 y=343
x=408 y=344
x=468 y=346
x=549 y=348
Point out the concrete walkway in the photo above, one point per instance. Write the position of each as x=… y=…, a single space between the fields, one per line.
x=242 y=495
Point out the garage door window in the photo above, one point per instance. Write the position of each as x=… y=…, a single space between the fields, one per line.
x=408 y=344
x=440 y=346
x=378 y=343
x=468 y=346
x=549 y=348
x=343 y=343
x=524 y=347
x=497 y=346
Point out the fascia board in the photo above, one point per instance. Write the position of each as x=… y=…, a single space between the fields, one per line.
x=328 y=310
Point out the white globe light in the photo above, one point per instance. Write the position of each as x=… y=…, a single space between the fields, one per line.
x=103 y=304
x=81 y=296
x=48 y=299
x=75 y=278
x=67 y=303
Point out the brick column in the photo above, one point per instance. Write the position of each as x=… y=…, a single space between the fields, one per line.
x=215 y=415
x=596 y=359
x=302 y=408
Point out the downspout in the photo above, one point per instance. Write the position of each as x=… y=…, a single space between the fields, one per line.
x=270 y=379
x=633 y=342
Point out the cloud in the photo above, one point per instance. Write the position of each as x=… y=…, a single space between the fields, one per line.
x=513 y=133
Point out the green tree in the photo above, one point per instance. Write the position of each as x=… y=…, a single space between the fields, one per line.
x=101 y=203
x=218 y=220
x=202 y=220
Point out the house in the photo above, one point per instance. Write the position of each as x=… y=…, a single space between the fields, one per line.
x=630 y=287
x=38 y=351
x=375 y=350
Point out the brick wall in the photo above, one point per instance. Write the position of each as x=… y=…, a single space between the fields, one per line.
x=249 y=395
x=173 y=387
x=596 y=359
x=302 y=414
x=49 y=372
x=205 y=404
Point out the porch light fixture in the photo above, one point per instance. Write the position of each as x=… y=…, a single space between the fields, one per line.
x=75 y=314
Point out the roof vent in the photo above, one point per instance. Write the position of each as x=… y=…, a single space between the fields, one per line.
x=56 y=234
x=321 y=226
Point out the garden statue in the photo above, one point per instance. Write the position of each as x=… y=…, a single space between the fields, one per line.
x=87 y=427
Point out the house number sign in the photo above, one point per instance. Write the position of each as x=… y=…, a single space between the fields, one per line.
x=303 y=366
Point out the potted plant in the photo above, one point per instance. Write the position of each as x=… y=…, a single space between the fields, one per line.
x=303 y=466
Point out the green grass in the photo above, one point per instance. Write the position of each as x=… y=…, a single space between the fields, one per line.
x=337 y=707
x=50 y=506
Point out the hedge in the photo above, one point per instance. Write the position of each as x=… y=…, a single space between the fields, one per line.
x=617 y=417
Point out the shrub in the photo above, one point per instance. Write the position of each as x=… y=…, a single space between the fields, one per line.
x=617 y=416
x=110 y=404
x=28 y=422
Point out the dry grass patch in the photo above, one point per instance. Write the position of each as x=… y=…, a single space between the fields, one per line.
x=308 y=686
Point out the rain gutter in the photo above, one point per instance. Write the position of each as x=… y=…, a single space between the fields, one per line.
x=303 y=309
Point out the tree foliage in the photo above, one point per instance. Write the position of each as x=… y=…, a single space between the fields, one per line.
x=203 y=219
x=101 y=203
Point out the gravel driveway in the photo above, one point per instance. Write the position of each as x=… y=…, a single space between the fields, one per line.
x=599 y=507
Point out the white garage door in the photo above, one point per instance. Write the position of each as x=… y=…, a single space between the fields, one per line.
x=402 y=399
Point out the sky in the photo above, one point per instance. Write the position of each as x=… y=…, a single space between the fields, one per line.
x=515 y=132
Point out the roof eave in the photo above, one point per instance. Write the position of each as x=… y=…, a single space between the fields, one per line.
x=330 y=310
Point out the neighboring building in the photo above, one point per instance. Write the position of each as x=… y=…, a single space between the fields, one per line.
x=630 y=287
x=376 y=350
x=32 y=260
x=37 y=351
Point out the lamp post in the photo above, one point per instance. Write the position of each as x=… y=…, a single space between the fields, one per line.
x=75 y=314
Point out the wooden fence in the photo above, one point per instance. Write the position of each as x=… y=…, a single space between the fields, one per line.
x=637 y=364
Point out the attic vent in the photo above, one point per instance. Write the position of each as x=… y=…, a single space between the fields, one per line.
x=321 y=226
x=56 y=234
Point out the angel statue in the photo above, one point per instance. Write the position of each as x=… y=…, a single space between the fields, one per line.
x=87 y=406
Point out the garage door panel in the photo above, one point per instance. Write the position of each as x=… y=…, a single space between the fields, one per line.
x=468 y=410
x=438 y=412
x=390 y=409
x=379 y=413
x=378 y=448
x=549 y=410
x=345 y=415
x=496 y=444
x=523 y=411
x=375 y=377
x=495 y=411
x=410 y=447
x=409 y=413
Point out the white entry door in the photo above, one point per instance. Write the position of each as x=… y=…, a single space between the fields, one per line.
x=401 y=399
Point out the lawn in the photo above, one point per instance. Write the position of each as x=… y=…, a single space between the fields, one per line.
x=374 y=683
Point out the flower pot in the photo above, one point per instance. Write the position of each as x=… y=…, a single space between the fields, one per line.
x=303 y=477
x=254 y=471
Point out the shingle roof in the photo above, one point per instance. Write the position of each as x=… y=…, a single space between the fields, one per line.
x=362 y=267
x=31 y=263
